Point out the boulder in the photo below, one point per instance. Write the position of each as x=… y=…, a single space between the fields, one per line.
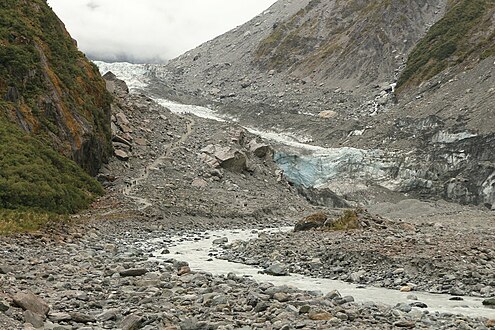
x=35 y=319
x=259 y=149
x=4 y=306
x=489 y=302
x=30 y=302
x=319 y=316
x=119 y=139
x=184 y=270
x=277 y=269
x=131 y=322
x=141 y=142
x=121 y=155
x=81 y=317
x=315 y=220
x=4 y=269
x=231 y=160
x=58 y=317
x=107 y=315
x=115 y=85
x=199 y=183
x=133 y=272
x=122 y=119
x=328 y=114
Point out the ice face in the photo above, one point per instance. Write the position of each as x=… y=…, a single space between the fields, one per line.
x=135 y=75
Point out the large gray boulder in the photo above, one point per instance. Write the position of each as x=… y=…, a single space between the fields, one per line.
x=231 y=159
x=259 y=149
x=30 y=302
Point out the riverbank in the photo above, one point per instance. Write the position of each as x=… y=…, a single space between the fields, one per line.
x=105 y=276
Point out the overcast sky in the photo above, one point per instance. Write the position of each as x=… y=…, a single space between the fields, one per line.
x=150 y=29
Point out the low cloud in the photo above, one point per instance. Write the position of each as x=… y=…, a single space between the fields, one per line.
x=150 y=30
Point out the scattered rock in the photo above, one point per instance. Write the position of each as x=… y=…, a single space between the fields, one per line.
x=81 y=317
x=59 y=317
x=319 y=316
x=133 y=272
x=184 y=270
x=31 y=302
x=121 y=155
x=328 y=114
x=107 y=315
x=220 y=241
x=277 y=269
x=405 y=324
x=131 y=322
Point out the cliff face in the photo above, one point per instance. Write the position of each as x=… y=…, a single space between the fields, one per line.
x=48 y=87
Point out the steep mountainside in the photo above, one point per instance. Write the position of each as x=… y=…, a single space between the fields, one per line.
x=463 y=37
x=407 y=84
x=341 y=44
x=53 y=103
x=48 y=87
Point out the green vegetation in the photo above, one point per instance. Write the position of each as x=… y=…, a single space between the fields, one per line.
x=449 y=41
x=15 y=221
x=50 y=89
x=288 y=40
x=349 y=220
x=33 y=177
x=56 y=84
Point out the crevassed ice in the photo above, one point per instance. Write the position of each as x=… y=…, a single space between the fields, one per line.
x=135 y=75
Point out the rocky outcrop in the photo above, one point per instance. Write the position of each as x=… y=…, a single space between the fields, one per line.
x=49 y=88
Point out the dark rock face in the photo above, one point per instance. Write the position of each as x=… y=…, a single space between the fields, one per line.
x=51 y=89
x=322 y=197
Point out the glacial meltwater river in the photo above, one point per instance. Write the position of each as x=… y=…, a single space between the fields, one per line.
x=198 y=253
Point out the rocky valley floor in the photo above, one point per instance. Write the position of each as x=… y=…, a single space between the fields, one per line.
x=184 y=176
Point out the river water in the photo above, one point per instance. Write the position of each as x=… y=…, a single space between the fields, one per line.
x=198 y=251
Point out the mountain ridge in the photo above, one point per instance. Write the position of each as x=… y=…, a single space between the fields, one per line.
x=348 y=97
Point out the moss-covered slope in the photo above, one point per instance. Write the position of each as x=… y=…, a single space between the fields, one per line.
x=33 y=176
x=48 y=87
x=465 y=35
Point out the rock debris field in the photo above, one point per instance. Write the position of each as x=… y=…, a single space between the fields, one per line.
x=184 y=176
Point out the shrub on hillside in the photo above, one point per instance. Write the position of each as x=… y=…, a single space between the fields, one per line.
x=33 y=176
